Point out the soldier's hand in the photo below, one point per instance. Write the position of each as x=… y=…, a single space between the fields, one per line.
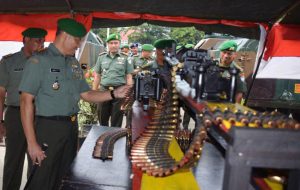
x=122 y=91
x=2 y=132
x=36 y=154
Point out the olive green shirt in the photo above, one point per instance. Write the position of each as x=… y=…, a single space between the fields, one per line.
x=56 y=81
x=155 y=65
x=113 y=70
x=142 y=62
x=11 y=71
x=240 y=85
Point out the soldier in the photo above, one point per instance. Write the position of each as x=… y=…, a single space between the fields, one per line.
x=161 y=45
x=11 y=71
x=134 y=48
x=143 y=61
x=54 y=81
x=125 y=49
x=227 y=55
x=112 y=70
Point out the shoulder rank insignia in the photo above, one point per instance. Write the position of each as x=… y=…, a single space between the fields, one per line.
x=102 y=53
x=5 y=57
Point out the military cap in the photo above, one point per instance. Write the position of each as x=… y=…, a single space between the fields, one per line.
x=178 y=47
x=163 y=43
x=71 y=27
x=34 y=33
x=124 y=46
x=147 y=47
x=113 y=37
x=134 y=45
x=229 y=45
x=189 y=46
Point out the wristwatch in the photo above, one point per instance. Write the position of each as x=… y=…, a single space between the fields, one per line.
x=112 y=94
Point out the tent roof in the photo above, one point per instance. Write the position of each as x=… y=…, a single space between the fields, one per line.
x=213 y=14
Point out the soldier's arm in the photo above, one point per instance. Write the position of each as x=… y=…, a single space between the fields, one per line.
x=129 y=79
x=2 y=99
x=98 y=96
x=96 y=82
x=238 y=97
x=128 y=72
x=96 y=74
x=27 y=117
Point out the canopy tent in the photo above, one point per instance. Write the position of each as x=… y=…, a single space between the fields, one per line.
x=235 y=17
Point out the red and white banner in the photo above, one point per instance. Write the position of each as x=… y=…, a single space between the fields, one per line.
x=281 y=58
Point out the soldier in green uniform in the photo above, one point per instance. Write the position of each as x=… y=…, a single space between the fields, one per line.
x=161 y=45
x=125 y=49
x=54 y=81
x=227 y=55
x=113 y=70
x=144 y=61
x=11 y=71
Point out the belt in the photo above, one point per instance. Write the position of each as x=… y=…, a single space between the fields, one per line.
x=71 y=118
x=110 y=87
x=14 y=107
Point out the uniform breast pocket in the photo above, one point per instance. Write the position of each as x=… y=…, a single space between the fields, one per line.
x=120 y=68
x=54 y=84
x=104 y=67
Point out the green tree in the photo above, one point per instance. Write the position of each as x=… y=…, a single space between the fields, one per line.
x=147 y=33
x=186 y=35
x=102 y=32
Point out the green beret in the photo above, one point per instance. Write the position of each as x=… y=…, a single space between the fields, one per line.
x=71 y=27
x=147 y=47
x=124 y=46
x=189 y=46
x=113 y=37
x=34 y=33
x=178 y=47
x=228 y=45
x=163 y=43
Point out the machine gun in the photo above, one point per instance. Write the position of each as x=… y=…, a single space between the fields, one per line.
x=205 y=76
x=147 y=85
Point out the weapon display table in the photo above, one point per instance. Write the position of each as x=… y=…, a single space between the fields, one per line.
x=89 y=173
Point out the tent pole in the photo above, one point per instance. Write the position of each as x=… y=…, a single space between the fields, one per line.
x=72 y=13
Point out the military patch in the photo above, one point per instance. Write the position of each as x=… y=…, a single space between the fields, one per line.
x=297 y=89
x=121 y=58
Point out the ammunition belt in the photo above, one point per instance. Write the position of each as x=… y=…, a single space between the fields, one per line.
x=105 y=144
